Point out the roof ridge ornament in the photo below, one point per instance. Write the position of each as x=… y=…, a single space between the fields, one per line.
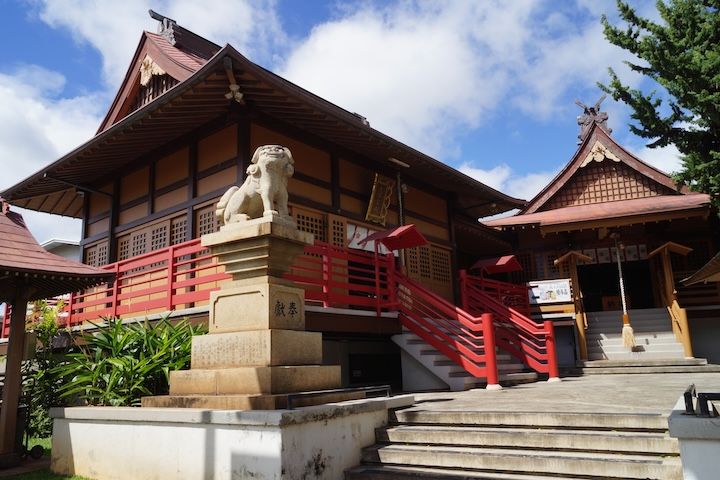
x=166 y=26
x=591 y=116
x=4 y=206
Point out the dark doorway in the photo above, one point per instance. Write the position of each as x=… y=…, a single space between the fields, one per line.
x=601 y=287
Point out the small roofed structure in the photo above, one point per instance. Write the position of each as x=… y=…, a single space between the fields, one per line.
x=491 y=266
x=28 y=272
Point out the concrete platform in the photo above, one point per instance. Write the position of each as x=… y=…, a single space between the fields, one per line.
x=651 y=393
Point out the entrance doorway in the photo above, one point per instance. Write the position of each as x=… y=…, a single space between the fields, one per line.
x=601 y=287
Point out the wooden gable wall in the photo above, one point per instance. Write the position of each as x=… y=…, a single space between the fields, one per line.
x=605 y=181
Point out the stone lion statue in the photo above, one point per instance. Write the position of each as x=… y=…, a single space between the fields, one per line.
x=264 y=192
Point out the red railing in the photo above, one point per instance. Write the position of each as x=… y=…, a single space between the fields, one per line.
x=182 y=276
x=531 y=342
x=467 y=340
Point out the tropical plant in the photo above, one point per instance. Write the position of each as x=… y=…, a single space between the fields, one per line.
x=119 y=363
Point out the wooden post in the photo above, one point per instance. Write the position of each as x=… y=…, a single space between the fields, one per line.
x=580 y=321
x=13 y=375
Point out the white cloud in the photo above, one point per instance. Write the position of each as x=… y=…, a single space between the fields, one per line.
x=503 y=178
x=666 y=159
x=114 y=28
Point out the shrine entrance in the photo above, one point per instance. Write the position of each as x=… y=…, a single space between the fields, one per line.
x=601 y=288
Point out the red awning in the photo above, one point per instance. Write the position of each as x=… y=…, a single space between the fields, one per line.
x=506 y=263
x=407 y=236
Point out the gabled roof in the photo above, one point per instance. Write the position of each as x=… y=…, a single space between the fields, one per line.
x=710 y=272
x=580 y=159
x=199 y=99
x=23 y=261
x=179 y=55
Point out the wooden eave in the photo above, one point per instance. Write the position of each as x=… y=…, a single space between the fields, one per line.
x=200 y=99
x=597 y=133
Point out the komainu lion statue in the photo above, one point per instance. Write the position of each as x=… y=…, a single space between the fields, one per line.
x=264 y=192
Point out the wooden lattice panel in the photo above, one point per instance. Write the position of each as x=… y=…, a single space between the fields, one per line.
x=441 y=265
x=338 y=231
x=311 y=222
x=102 y=254
x=178 y=230
x=124 y=248
x=206 y=221
x=91 y=256
x=605 y=182
x=158 y=237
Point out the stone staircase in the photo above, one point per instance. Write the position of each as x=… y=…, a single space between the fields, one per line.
x=654 y=337
x=520 y=446
x=510 y=370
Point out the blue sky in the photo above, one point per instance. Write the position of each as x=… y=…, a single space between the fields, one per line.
x=487 y=87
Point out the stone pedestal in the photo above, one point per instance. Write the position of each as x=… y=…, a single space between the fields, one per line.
x=256 y=352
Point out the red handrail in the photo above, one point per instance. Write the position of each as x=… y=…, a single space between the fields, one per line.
x=531 y=342
x=463 y=338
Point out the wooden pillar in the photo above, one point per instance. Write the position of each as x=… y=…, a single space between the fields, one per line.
x=13 y=375
x=580 y=321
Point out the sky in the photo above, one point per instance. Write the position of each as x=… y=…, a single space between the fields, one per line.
x=486 y=86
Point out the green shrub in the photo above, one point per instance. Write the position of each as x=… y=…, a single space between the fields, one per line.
x=119 y=363
x=40 y=387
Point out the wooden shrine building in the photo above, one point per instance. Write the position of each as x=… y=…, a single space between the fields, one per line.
x=182 y=130
x=607 y=200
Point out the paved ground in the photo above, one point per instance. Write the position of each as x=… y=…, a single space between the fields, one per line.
x=647 y=393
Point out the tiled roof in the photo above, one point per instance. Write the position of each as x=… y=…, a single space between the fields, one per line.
x=22 y=258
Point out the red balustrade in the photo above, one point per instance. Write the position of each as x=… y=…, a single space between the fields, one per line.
x=531 y=342
x=467 y=340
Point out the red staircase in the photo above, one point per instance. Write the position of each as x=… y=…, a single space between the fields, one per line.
x=531 y=342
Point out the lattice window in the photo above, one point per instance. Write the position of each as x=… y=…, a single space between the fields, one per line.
x=441 y=260
x=158 y=237
x=338 y=231
x=138 y=244
x=124 y=248
x=178 y=230
x=312 y=222
x=207 y=221
x=424 y=264
x=157 y=85
x=605 y=182
x=91 y=256
x=102 y=254
x=411 y=261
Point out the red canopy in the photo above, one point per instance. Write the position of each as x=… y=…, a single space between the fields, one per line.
x=489 y=266
x=407 y=236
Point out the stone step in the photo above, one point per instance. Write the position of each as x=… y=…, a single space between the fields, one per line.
x=674 y=348
x=527 y=461
x=640 y=337
x=650 y=370
x=626 y=355
x=648 y=422
x=392 y=472
x=643 y=363
x=549 y=438
x=632 y=313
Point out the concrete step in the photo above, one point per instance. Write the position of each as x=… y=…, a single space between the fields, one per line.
x=625 y=354
x=527 y=461
x=643 y=363
x=640 y=337
x=550 y=438
x=619 y=348
x=649 y=370
x=391 y=472
x=647 y=422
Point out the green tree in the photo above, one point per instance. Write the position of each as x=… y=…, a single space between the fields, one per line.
x=682 y=55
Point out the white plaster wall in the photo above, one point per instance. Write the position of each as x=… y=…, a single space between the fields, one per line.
x=699 y=458
x=106 y=443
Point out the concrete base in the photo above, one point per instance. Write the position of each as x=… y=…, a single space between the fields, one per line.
x=245 y=402
x=699 y=440
x=108 y=443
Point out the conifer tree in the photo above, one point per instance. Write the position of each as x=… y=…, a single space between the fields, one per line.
x=682 y=55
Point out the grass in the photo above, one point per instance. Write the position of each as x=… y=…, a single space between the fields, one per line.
x=46 y=443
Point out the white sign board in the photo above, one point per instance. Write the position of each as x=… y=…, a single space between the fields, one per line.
x=550 y=291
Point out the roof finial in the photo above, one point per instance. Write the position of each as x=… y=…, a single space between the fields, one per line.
x=166 y=26
x=4 y=206
x=591 y=116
